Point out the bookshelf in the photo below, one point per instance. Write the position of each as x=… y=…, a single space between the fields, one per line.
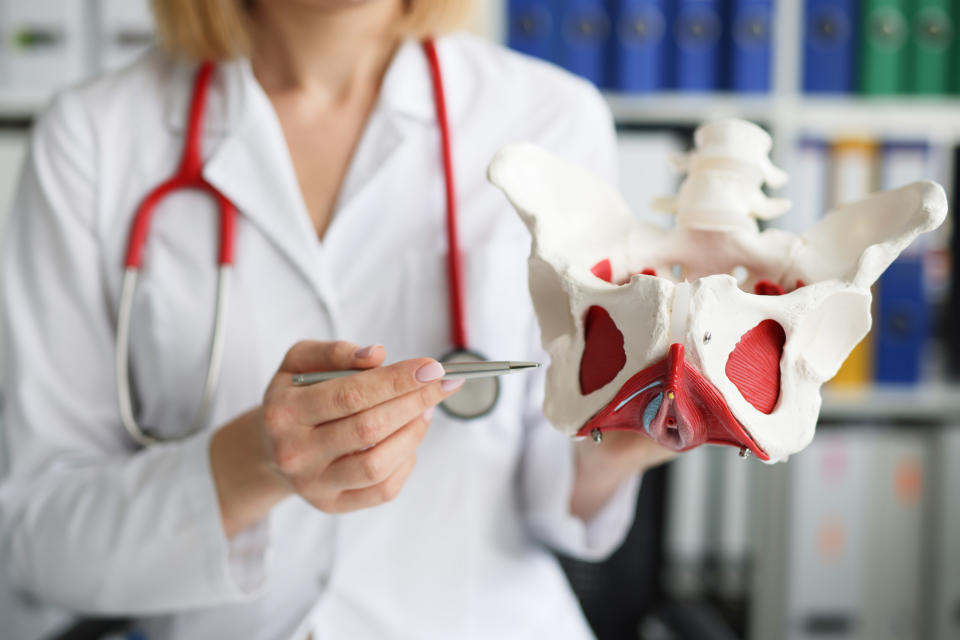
x=790 y=115
x=933 y=119
x=936 y=402
x=861 y=421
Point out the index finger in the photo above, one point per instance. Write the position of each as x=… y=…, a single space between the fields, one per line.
x=342 y=397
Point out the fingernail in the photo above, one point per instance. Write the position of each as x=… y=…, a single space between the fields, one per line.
x=366 y=351
x=450 y=385
x=430 y=372
x=428 y=414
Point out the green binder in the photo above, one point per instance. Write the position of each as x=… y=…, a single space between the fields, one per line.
x=884 y=36
x=953 y=58
x=932 y=35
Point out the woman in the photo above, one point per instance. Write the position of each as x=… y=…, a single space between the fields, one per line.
x=281 y=518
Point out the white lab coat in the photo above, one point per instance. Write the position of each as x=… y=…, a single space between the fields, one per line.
x=93 y=524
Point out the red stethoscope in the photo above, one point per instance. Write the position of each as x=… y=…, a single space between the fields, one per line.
x=478 y=395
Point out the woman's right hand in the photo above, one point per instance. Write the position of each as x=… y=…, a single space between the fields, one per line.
x=345 y=444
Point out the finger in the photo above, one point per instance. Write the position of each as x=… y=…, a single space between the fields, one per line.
x=372 y=466
x=314 y=355
x=342 y=397
x=376 y=495
x=367 y=428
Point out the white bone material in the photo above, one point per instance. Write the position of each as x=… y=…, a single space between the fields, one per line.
x=576 y=221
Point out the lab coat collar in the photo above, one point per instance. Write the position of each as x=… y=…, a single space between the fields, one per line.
x=226 y=99
x=406 y=90
x=248 y=140
x=250 y=164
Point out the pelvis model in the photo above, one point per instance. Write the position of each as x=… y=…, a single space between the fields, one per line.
x=712 y=331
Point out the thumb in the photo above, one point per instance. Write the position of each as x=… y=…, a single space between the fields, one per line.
x=315 y=355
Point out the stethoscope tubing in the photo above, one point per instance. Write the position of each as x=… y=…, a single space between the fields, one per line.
x=189 y=175
x=214 y=360
x=458 y=323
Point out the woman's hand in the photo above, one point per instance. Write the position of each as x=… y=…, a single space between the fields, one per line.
x=601 y=468
x=344 y=444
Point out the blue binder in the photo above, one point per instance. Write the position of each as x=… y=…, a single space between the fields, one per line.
x=903 y=322
x=640 y=45
x=531 y=27
x=697 y=33
x=830 y=45
x=750 y=34
x=582 y=36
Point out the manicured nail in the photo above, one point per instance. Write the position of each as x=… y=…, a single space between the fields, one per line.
x=430 y=372
x=451 y=385
x=366 y=351
x=428 y=414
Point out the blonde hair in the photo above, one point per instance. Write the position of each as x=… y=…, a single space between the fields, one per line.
x=219 y=29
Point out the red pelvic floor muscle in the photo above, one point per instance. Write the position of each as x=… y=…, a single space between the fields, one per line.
x=696 y=412
x=754 y=365
x=603 y=270
x=767 y=288
x=603 y=354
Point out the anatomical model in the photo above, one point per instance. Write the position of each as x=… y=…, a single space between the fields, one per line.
x=712 y=331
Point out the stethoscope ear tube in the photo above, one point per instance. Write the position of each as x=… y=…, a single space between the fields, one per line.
x=214 y=361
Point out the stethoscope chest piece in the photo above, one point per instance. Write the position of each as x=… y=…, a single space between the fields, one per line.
x=477 y=397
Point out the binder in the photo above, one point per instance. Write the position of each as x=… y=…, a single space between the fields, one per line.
x=884 y=37
x=953 y=69
x=933 y=34
x=945 y=622
x=685 y=543
x=583 y=38
x=904 y=162
x=829 y=46
x=748 y=56
x=124 y=30
x=904 y=292
x=854 y=172
x=952 y=323
x=858 y=500
x=640 y=51
x=827 y=523
x=644 y=175
x=531 y=27
x=733 y=527
x=807 y=187
x=896 y=504
x=46 y=44
x=903 y=322
x=697 y=32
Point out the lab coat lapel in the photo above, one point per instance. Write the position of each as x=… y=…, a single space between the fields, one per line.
x=251 y=166
x=403 y=111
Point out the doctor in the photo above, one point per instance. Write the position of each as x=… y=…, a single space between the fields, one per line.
x=330 y=511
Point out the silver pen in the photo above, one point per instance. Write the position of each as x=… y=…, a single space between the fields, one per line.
x=452 y=371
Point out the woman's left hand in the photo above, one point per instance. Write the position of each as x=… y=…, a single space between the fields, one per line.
x=601 y=468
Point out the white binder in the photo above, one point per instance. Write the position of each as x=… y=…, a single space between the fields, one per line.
x=646 y=171
x=945 y=620
x=124 y=30
x=807 y=187
x=45 y=44
x=827 y=525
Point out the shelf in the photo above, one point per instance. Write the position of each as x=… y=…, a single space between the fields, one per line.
x=935 y=402
x=935 y=118
x=23 y=104
x=683 y=109
x=929 y=118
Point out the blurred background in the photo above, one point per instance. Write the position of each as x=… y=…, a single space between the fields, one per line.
x=858 y=536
